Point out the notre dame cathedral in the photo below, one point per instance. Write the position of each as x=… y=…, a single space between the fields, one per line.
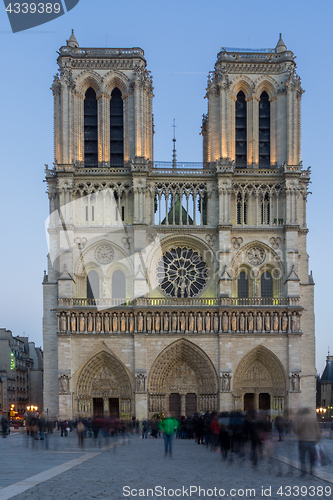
x=181 y=287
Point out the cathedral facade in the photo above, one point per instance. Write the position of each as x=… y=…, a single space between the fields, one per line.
x=174 y=286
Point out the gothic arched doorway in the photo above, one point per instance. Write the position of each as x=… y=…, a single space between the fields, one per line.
x=182 y=380
x=104 y=387
x=260 y=382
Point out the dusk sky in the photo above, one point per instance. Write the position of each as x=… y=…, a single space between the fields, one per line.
x=181 y=40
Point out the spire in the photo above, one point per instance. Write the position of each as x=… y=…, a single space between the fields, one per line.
x=72 y=42
x=174 y=155
x=280 y=46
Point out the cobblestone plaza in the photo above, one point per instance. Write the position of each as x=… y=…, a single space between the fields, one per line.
x=118 y=469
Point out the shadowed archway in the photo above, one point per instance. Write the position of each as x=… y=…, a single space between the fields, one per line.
x=180 y=370
x=103 y=379
x=260 y=378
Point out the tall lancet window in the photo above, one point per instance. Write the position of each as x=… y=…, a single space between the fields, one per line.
x=264 y=131
x=243 y=286
x=90 y=129
x=266 y=285
x=240 y=132
x=116 y=129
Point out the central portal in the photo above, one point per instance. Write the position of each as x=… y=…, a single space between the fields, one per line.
x=182 y=380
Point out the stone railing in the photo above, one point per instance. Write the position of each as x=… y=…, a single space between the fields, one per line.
x=94 y=52
x=202 y=321
x=143 y=302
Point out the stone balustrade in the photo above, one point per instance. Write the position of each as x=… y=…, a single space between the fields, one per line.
x=179 y=302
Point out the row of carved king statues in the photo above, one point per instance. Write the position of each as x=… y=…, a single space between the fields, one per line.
x=178 y=322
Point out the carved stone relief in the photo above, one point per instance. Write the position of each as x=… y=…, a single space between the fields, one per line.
x=63 y=384
x=225 y=381
x=236 y=242
x=295 y=382
x=140 y=379
x=256 y=256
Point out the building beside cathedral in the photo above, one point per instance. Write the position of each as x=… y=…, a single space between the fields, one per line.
x=177 y=286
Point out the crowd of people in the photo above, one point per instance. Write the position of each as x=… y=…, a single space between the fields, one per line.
x=234 y=434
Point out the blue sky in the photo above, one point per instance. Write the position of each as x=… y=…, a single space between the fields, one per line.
x=181 y=40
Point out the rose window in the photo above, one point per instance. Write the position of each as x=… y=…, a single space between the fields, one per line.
x=181 y=272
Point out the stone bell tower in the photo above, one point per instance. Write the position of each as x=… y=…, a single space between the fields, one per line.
x=252 y=131
x=103 y=129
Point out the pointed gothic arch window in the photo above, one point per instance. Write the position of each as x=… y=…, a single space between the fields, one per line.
x=242 y=208
x=240 y=131
x=242 y=286
x=264 y=131
x=266 y=282
x=265 y=209
x=92 y=285
x=118 y=285
x=116 y=129
x=90 y=129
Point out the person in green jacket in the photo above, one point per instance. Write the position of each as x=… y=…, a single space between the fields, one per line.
x=168 y=426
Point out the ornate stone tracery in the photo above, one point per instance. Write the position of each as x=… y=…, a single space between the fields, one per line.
x=102 y=376
x=260 y=371
x=183 y=368
x=182 y=273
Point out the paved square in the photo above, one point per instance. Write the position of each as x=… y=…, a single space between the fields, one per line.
x=138 y=468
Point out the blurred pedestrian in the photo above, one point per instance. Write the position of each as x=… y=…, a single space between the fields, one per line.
x=168 y=426
x=306 y=428
x=279 y=424
x=80 y=429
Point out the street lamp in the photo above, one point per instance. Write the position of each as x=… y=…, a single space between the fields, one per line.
x=321 y=411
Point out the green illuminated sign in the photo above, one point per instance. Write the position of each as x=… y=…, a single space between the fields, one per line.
x=12 y=361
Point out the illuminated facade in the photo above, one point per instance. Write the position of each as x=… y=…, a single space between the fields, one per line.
x=181 y=287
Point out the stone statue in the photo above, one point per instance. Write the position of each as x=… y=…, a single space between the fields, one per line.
x=276 y=323
x=259 y=323
x=98 y=323
x=267 y=323
x=191 y=323
x=294 y=325
x=90 y=323
x=225 y=382
x=284 y=322
x=207 y=322
x=123 y=323
x=73 y=323
x=166 y=322
x=63 y=323
x=216 y=323
x=182 y=321
x=199 y=323
x=140 y=322
x=63 y=384
x=233 y=322
x=107 y=323
x=131 y=323
x=182 y=286
x=225 y=322
x=157 y=323
x=114 y=322
x=250 y=322
x=149 y=322
x=140 y=382
x=174 y=322
x=81 y=322
x=242 y=323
